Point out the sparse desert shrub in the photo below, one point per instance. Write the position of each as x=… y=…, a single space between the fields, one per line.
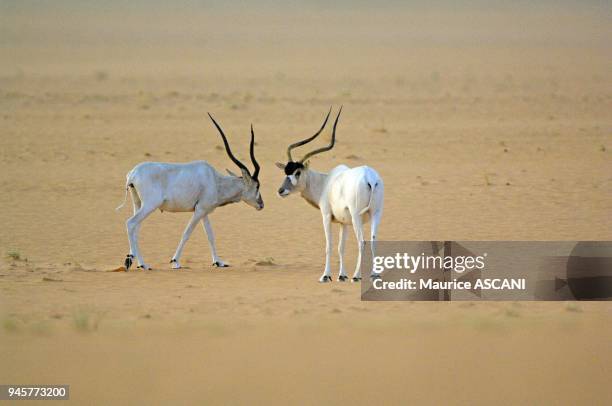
x=81 y=320
x=14 y=255
x=9 y=324
x=85 y=320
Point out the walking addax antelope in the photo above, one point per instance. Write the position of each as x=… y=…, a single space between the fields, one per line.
x=188 y=187
x=347 y=196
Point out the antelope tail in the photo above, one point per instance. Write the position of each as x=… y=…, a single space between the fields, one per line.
x=371 y=198
x=124 y=199
x=128 y=185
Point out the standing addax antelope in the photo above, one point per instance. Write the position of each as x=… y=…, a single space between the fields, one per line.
x=344 y=195
x=188 y=187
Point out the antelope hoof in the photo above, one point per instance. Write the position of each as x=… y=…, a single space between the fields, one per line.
x=144 y=267
x=128 y=261
x=175 y=264
x=325 y=279
x=375 y=276
x=342 y=278
x=220 y=264
x=356 y=279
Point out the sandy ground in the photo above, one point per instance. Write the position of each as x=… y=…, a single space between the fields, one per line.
x=484 y=124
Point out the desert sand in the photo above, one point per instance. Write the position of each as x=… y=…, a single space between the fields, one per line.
x=486 y=123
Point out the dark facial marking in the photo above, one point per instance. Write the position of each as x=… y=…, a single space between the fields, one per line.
x=292 y=167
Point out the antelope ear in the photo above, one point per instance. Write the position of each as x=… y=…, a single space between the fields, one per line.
x=280 y=166
x=231 y=173
x=246 y=176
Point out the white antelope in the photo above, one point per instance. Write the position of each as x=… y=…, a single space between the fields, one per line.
x=344 y=195
x=187 y=187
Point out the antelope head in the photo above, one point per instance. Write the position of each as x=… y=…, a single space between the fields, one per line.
x=250 y=191
x=296 y=172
